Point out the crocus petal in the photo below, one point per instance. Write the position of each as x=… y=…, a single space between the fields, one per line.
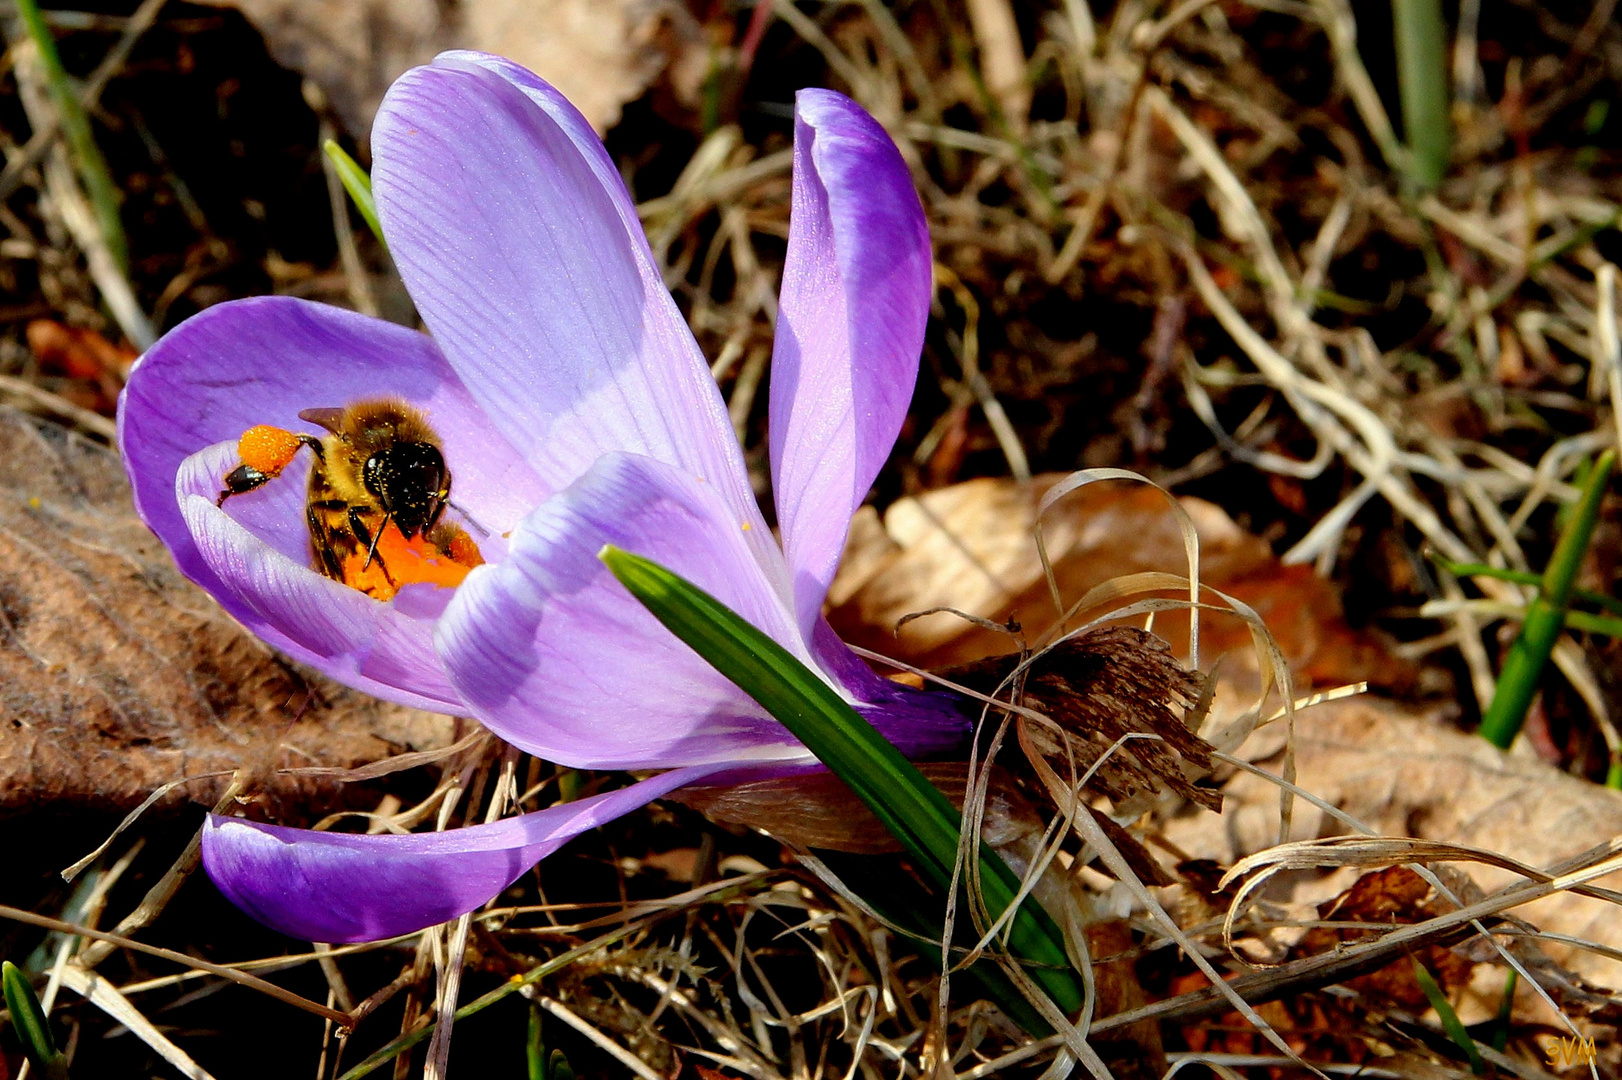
x=379 y=648
x=518 y=243
x=332 y=887
x=261 y=361
x=850 y=326
x=556 y=657
x=922 y=723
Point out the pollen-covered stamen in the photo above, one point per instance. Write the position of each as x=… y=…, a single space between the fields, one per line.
x=442 y=558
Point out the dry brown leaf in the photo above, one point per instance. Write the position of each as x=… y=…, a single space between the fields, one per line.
x=1134 y=1052
x=1409 y=774
x=118 y=676
x=1098 y=688
x=599 y=53
x=972 y=547
x=1393 y=896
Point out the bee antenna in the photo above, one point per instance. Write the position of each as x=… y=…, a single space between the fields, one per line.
x=371 y=552
x=469 y=518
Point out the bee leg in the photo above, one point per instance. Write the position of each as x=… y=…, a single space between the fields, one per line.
x=357 y=525
x=370 y=539
x=242 y=479
x=330 y=566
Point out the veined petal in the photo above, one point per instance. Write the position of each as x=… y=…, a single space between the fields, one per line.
x=523 y=253
x=333 y=887
x=261 y=361
x=556 y=657
x=850 y=326
x=375 y=647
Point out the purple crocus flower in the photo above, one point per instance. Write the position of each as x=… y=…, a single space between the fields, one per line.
x=576 y=410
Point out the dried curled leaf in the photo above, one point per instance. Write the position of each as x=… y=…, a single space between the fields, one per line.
x=1097 y=688
x=118 y=676
x=971 y=547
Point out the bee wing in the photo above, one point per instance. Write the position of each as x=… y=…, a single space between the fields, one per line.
x=331 y=419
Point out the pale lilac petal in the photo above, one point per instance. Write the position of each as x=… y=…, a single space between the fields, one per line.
x=850 y=326
x=556 y=657
x=520 y=247
x=346 y=634
x=261 y=361
x=332 y=887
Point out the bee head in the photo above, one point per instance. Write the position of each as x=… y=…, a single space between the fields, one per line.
x=410 y=480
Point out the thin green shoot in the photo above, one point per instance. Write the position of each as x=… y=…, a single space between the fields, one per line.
x=87 y=156
x=359 y=186
x=541 y=1065
x=1450 y=1019
x=909 y=806
x=1523 y=577
x=534 y=1047
x=33 y=1029
x=1421 y=40
x=1594 y=624
x=1506 y=1008
x=1546 y=617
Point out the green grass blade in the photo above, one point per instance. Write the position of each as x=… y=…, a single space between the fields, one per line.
x=912 y=808
x=1421 y=40
x=1590 y=623
x=1523 y=577
x=558 y=1067
x=1546 y=617
x=87 y=156
x=534 y=1047
x=1450 y=1019
x=33 y=1030
x=359 y=186
x=1506 y=1010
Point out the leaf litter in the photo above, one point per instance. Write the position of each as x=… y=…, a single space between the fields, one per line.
x=1164 y=211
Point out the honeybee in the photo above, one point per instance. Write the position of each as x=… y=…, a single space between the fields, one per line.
x=376 y=495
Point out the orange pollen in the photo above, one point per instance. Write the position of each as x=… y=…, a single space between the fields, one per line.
x=463 y=551
x=267 y=449
x=400 y=562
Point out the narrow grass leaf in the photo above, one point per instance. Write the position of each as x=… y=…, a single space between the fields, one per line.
x=912 y=808
x=87 y=156
x=1594 y=624
x=1450 y=1019
x=33 y=1029
x=534 y=1047
x=1522 y=577
x=358 y=184
x=1546 y=617
x=1506 y=1010
x=1421 y=40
